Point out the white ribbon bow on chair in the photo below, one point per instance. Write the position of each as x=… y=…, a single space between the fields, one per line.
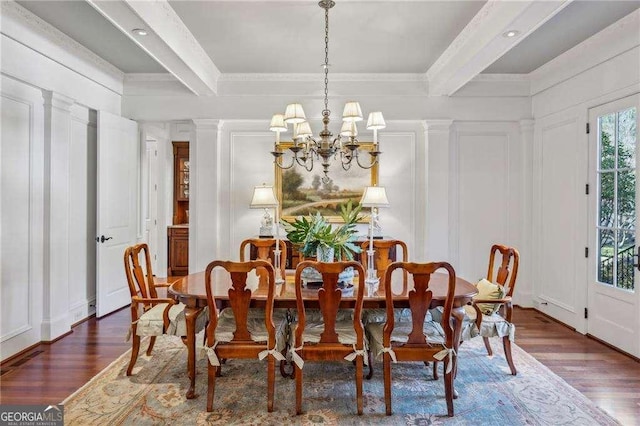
x=273 y=352
x=357 y=352
x=297 y=359
x=130 y=330
x=391 y=353
x=211 y=354
x=446 y=352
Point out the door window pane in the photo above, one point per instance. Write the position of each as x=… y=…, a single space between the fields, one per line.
x=607 y=194
x=607 y=141
x=627 y=138
x=606 y=264
x=626 y=195
x=624 y=259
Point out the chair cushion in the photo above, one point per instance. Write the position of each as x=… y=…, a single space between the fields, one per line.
x=255 y=324
x=492 y=326
x=432 y=330
x=489 y=290
x=151 y=322
x=380 y=315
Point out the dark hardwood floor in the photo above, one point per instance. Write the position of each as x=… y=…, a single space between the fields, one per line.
x=49 y=373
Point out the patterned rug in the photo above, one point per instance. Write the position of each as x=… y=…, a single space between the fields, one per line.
x=489 y=395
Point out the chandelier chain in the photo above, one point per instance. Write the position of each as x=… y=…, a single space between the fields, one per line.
x=326 y=59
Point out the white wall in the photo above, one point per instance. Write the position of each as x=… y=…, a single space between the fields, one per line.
x=21 y=216
x=602 y=69
x=50 y=88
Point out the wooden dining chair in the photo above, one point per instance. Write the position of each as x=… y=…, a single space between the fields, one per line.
x=332 y=334
x=151 y=315
x=240 y=331
x=420 y=339
x=383 y=258
x=489 y=321
x=264 y=251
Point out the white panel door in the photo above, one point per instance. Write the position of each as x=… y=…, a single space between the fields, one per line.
x=614 y=302
x=117 y=208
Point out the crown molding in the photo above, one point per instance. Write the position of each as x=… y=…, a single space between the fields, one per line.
x=45 y=30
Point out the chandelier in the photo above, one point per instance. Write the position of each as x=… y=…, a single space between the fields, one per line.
x=306 y=148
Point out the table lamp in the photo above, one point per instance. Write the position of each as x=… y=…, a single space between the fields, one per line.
x=374 y=196
x=265 y=198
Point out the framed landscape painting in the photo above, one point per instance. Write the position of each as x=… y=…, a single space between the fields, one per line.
x=302 y=193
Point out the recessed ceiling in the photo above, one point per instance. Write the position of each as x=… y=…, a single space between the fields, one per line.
x=575 y=23
x=288 y=36
x=84 y=24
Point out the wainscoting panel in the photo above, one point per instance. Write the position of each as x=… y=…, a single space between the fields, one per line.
x=485 y=200
x=21 y=217
x=559 y=211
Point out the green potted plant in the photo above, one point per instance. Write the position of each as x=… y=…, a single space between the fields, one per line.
x=314 y=236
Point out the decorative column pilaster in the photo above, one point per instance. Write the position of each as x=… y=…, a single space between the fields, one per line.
x=437 y=136
x=204 y=208
x=524 y=295
x=57 y=139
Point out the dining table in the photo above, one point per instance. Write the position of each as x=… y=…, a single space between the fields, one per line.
x=190 y=290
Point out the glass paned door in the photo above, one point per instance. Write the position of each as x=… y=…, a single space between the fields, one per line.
x=613 y=313
x=616 y=176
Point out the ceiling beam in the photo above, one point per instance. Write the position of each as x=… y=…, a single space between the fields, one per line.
x=482 y=41
x=168 y=41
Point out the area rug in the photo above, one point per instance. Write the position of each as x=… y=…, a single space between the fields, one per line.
x=489 y=395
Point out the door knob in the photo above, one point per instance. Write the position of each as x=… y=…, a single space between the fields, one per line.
x=102 y=239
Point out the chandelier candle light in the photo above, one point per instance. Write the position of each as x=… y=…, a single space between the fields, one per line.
x=305 y=147
x=265 y=198
x=374 y=196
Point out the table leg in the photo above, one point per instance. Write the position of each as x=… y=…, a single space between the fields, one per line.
x=190 y=314
x=458 y=318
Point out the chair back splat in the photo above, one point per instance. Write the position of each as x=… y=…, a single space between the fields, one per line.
x=423 y=339
x=383 y=258
x=240 y=331
x=504 y=275
x=332 y=334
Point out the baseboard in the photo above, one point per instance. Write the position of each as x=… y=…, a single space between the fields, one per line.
x=555 y=319
x=19 y=354
x=82 y=310
x=610 y=346
x=56 y=327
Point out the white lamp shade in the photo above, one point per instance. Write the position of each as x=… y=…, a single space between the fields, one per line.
x=376 y=121
x=352 y=112
x=304 y=129
x=349 y=129
x=263 y=197
x=374 y=196
x=277 y=123
x=294 y=114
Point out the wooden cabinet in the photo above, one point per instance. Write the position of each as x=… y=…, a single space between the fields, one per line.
x=178 y=234
x=178 y=237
